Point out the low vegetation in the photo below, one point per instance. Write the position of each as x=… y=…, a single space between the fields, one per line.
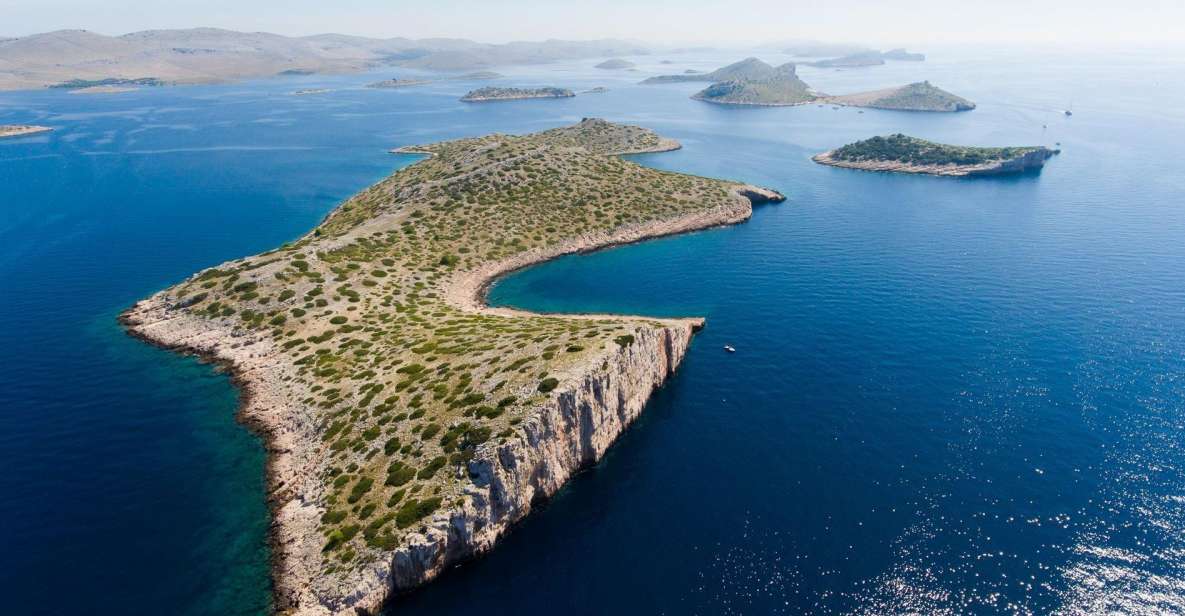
x=905 y=149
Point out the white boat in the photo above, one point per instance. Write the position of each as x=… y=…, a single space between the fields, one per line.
x=729 y=349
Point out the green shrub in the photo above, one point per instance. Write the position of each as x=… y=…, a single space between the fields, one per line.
x=360 y=489
x=436 y=464
x=415 y=510
x=548 y=384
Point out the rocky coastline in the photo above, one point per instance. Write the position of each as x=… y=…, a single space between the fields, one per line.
x=490 y=94
x=1027 y=161
x=22 y=130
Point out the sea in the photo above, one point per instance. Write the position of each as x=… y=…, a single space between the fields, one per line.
x=948 y=396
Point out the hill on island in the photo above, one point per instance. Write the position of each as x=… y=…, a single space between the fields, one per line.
x=204 y=55
x=749 y=69
x=865 y=58
x=753 y=82
x=920 y=96
x=781 y=88
x=869 y=58
x=820 y=49
x=901 y=55
x=615 y=64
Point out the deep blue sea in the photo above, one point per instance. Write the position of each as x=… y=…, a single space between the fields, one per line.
x=949 y=396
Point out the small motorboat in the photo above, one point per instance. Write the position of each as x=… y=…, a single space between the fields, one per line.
x=729 y=348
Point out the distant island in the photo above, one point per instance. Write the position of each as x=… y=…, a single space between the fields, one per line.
x=21 y=130
x=111 y=83
x=868 y=57
x=398 y=83
x=864 y=58
x=509 y=94
x=311 y=91
x=750 y=69
x=103 y=90
x=781 y=88
x=903 y=154
x=819 y=49
x=755 y=83
x=410 y=426
x=596 y=90
x=615 y=64
x=921 y=96
x=405 y=83
x=479 y=75
x=78 y=58
x=901 y=55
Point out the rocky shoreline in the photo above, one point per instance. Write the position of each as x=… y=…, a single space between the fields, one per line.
x=492 y=94
x=571 y=430
x=1031 y=160
x=22 y=130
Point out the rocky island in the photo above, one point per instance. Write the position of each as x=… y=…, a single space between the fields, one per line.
x=869 y=57
x=409 y=425
x=615 y=64
x=21 y=130
x=781 y=88
x=903 y=154
x=754 y=83
x=749 y=69
x=487 y=94
x=398 y=83
x=479 y=75
x=921 y=96
x=856 y=60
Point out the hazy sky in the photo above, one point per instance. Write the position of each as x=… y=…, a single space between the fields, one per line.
x=872 y=21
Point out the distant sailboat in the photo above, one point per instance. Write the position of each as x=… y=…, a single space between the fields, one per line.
x=729 y=349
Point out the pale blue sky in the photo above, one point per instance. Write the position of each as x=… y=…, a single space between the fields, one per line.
x=872 y=21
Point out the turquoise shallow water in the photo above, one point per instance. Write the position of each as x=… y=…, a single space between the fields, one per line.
x=953 y=396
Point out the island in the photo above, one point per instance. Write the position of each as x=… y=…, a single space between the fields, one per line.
x=211 y=55
x=103 y=90
x=488 y=94
x=782 y=88
x=904 y=154
x=479 y=76
x=110 y=83
x=311 y=91
x=856 y=60
x=596 y=90
x=398 y=83
x=749 y=69
x=21 y=130
x=819 y=49
x=615 y=64
x=921 y=96
x=901 y=55
x=752 y=82
x=408 y=425
x=869 y=57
